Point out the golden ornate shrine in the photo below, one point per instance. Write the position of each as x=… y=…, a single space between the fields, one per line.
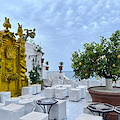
x=12 y=60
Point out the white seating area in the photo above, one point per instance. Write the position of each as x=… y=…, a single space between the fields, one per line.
x=73 y=92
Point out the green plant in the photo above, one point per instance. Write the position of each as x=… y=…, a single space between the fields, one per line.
x=47 y=63
x=98 y=59
x=35 y=73
x=38 y=48
x=61 y=63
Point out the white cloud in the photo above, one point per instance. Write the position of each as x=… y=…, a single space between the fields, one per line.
x=68 y=23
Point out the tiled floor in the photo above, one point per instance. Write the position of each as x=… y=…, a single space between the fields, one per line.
x=74 y=109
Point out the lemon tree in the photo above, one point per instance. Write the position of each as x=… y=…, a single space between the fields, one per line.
x=98 y=59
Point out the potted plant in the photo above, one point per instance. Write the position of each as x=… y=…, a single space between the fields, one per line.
x=47 y=67
x=99 y=59
x=35 y=73
x=61 y=67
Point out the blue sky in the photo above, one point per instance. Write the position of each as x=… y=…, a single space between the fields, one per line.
x=63 y=26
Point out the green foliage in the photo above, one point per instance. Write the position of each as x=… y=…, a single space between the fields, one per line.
x=35 y=73
x=61 y=63
x=98 y=59
x=37 y=48
x=47 y=63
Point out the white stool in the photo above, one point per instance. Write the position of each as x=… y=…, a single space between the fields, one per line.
x=11 y=112
x=68 y=88
x=83 y=90
x=28 y=103
x=58 y=111
x=49 y=92
x=74 y=94
x=33 y=89
x=27 y=90
x=84 y=116
x=4 y=96
x=12 y=100
x=60 y=92
x=35 y=116
x=38 y=88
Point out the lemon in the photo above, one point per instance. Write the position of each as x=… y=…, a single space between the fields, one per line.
x=80 y=63
x=86 y=74
x=104 y=57
x=113 y=65
x=101 y=77
x=118 y=56
x=97 y=78
x=97 y=60
x=108 y=74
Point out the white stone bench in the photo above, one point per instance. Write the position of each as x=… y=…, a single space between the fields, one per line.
x=35 y=116
x=84 y=116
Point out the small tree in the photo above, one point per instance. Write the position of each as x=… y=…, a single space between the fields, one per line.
x=98 y=59
x=35 y=73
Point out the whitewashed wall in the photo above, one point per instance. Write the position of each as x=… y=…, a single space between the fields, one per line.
x=30 y=56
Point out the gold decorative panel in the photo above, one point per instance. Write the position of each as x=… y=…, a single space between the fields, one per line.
x=12 y=60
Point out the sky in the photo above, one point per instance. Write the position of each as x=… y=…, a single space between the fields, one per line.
x=63 y=26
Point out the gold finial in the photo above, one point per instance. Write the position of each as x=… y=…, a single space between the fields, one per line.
x=20 y=31
x=6 y=24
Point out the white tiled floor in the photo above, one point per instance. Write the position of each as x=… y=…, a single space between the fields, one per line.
x=74 y=109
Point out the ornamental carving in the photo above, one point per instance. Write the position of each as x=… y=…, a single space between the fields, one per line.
x=12 y=60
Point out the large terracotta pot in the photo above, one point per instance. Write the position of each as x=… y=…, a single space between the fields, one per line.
x=106 y=96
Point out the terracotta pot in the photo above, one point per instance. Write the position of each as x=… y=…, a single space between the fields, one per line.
x=42 y=61
x=106 y=97
x=47 y=68
x=60 y=68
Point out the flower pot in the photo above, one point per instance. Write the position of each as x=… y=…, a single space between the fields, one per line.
x=42 y=61
x=109 y=84
x=60 y=68
x=47 y=68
